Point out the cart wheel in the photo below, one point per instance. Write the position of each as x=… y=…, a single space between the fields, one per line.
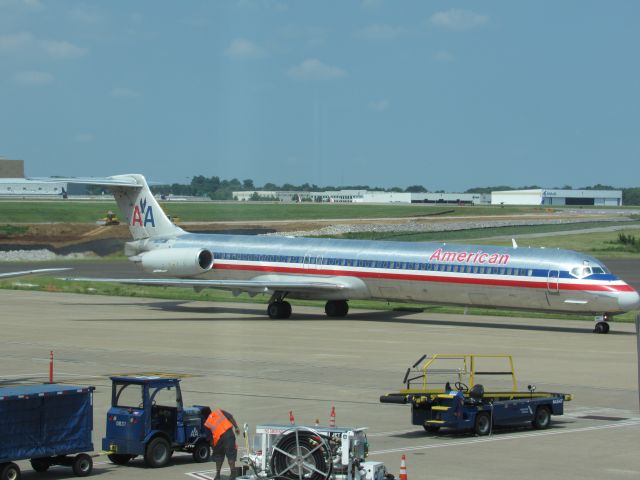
x=82 y=465
x=483 y=424
x=201 y=452
x=10 y=471
x=120 y=458
x=40 y=464
x=431 y=428
x=542 y=418
x=158 y=453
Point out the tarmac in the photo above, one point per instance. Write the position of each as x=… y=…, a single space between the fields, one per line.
x=233 y=356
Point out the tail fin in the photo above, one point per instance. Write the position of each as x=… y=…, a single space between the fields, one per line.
x=144 y=215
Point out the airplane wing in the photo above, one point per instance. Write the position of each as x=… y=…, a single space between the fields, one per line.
x=39 y=271
x=254 y=286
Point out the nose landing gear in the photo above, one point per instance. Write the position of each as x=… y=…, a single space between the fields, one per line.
x=602 y=325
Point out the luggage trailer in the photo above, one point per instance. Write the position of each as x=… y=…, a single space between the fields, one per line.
x=48 y=424
x=451 y=398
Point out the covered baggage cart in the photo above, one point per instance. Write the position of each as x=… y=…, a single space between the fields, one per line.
x=48 y=424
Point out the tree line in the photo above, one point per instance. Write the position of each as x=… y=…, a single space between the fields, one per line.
x=217 y=189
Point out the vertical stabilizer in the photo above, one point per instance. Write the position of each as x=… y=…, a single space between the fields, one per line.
x=138 y=206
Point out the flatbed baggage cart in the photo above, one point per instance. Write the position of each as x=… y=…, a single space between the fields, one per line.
x=48 y=424
x=451 y=398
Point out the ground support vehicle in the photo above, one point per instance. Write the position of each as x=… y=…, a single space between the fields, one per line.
x=460 y=403
x=292 y=452
x=147 y=418
x=50 y=424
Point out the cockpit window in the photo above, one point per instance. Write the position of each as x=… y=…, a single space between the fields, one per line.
x=581 y=272
x=598 y=270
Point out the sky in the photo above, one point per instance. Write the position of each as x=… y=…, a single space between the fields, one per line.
x=445 y=94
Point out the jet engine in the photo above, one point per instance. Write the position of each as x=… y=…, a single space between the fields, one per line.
x=179 y=262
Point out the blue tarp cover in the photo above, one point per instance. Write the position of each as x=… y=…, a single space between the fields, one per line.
x=45 y=420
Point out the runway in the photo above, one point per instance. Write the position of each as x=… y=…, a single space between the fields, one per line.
x=232 y=356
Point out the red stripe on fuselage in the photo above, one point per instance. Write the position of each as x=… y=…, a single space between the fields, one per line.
x=587 y=287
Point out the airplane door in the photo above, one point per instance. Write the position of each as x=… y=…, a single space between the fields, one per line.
x=552 y=281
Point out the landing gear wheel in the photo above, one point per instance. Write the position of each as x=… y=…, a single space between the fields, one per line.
x=483 y=424
x=601 y=327
x=158 y=453
x=9 y=471
x=279 y=309
x=40 y=464
x=120 y=458
x=542 y=418
x=201 y=452
x=336 y=308
x=82 y=465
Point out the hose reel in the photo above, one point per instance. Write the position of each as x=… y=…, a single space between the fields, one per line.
x=301 y=453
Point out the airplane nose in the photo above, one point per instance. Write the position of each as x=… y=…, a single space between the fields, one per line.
x=629 y=301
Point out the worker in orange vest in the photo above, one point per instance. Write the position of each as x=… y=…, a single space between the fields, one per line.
x=222 y=425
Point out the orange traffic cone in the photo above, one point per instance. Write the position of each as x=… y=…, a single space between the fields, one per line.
x=292 y=420
x=332 y=417
x=403 y=469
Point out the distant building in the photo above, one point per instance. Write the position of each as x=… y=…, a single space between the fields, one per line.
x=601 y=198
x=364 y=196
x=11 y=168
x=452 y=198
x=24 y=187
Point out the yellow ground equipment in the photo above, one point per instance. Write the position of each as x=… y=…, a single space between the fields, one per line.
x=444 y=392
x=110 y=219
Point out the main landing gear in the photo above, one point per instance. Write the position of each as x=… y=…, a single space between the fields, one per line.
x=336 y=308
x=279 y=309
x=602 y=325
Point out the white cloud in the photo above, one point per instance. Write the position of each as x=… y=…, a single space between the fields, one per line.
x=14 y=42
x=444 y=56
x=314 y=69
x=30 y=5
x=379 y=105
x=381 y=32
x=243 y=48
x=33 y=78
x=122 y=92
x=62 y=49
x=25 y=43
x=84 y=138
x=458 y=19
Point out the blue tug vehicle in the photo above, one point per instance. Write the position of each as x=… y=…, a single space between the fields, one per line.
x=147 y=418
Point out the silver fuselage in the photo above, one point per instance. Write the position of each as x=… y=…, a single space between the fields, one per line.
x=489 y=276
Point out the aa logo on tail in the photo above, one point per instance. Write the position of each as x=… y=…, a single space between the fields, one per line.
x=139 y=211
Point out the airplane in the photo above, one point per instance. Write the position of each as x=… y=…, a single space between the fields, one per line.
x=38 y=271
x=337 y=271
